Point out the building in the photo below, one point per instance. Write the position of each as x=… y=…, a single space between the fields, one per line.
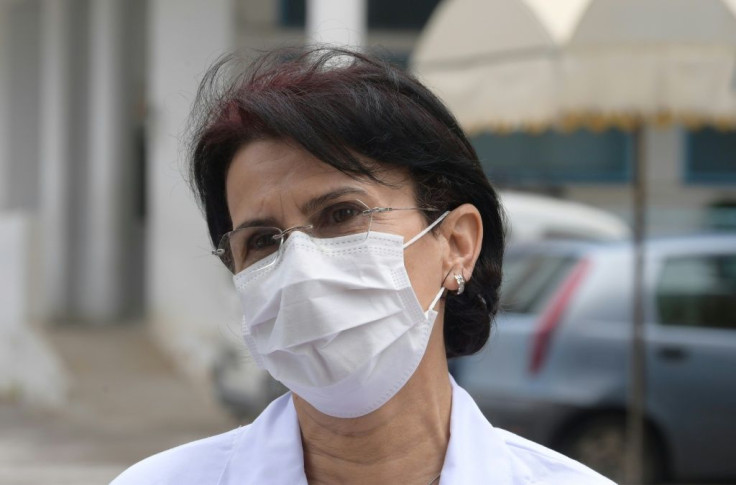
x=95 y=211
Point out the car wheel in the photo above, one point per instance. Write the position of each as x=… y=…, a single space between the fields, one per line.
x=600 y=443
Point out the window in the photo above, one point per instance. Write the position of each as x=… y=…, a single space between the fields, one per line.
x=399 y=14
x=382 y=14
x=293 y=13
x=529 y=280
x=698 y=291
x=555 y=157
x=711 y=156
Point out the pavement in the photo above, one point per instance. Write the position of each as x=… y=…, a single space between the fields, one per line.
x=127 y=402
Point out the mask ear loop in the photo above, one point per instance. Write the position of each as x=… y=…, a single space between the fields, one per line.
x=413 y=240
x=425 y=230
x=436 y=299
x=439 y=295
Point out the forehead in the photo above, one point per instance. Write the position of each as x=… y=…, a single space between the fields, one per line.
x=274 y=178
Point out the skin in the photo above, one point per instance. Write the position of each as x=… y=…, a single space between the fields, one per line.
x=405 y=440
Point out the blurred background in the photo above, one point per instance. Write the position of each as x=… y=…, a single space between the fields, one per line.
x=603 y=123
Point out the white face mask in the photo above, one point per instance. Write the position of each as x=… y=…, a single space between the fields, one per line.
x=337 y=322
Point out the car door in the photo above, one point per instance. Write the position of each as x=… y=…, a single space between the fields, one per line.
x=692 y=361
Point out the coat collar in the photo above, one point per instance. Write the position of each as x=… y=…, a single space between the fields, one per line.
x=270 y=449
x=475 y=453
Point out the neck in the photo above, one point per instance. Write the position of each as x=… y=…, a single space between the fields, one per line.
x=402 y=442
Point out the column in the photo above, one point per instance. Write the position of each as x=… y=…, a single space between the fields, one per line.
x=190 y=297
x=22 y=34
x=55 y=137
x=337 y=22
x=108 y=166
x=4 y=106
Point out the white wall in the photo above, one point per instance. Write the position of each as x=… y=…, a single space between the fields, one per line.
x=191 y=301
x=29 y=369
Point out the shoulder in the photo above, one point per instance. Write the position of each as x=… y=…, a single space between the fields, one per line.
x=548 y=466
x=251 y=454
x=200 y=462
x=481 y=453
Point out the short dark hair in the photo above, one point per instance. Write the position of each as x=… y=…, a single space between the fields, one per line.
x=340 y=106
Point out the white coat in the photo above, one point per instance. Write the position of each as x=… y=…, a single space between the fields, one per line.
x=269 y=451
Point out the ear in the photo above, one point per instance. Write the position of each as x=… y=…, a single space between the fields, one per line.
x=463 y=232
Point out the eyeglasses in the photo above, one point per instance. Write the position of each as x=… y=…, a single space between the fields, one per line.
x=246 y=246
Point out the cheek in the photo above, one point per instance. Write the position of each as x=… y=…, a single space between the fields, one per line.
x=424 y=266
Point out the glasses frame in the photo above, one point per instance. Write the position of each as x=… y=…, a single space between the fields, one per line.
x=282 y=234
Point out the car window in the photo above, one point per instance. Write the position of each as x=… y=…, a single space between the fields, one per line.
x=529 y=280
x=698 y=291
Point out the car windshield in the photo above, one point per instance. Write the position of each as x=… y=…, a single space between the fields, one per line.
x=530 y=279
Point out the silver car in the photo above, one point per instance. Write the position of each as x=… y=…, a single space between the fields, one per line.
x=556 y=367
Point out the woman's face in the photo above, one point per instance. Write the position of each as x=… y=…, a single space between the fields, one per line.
x=276 y=180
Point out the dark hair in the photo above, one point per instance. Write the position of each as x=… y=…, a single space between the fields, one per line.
x=340 y=105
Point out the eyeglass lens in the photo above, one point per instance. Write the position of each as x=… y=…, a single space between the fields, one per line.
x=247 y=246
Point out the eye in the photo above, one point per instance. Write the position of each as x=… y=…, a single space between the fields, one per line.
x=251 y=244
x=260 y=240
x=341 y=219
x=341 y=213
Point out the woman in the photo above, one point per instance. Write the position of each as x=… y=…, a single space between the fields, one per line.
x=366 y=247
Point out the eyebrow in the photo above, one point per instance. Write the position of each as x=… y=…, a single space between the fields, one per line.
x=307 y=208
x=316 y=203
x=269 y=222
